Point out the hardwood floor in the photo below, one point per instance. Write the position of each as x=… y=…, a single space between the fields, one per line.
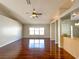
x=21 y=50
x=34 y=53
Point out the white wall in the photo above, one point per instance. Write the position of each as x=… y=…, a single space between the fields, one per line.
x=26 y=31
x=10 y=30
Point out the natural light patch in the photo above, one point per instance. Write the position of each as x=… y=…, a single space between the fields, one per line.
x=36 y=43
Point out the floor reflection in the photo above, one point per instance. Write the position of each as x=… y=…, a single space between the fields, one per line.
x=36 y=43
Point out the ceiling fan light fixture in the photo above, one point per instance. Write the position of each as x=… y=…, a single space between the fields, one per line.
x=34 y=15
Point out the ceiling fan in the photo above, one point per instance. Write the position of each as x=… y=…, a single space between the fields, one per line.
x=35 y=14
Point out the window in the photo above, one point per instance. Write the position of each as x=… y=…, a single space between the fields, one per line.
x=36 y=31
x=41 y=31
x=36 y=43
x=31 y=31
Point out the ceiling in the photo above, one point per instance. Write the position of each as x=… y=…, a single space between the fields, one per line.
x=17 y=9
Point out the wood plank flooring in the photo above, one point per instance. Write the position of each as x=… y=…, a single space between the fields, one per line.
x=20 y=50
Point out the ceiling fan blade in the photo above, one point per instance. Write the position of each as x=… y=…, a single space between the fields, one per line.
x=28 y=1
x=39 y=13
